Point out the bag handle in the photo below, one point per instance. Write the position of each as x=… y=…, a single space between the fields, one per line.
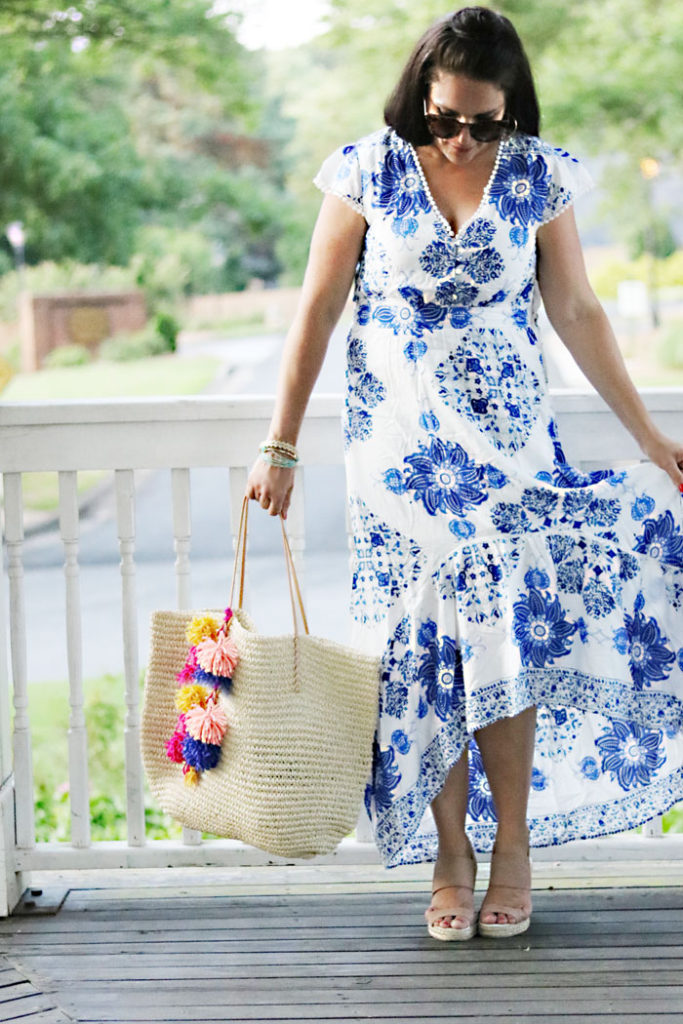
x=240 y=563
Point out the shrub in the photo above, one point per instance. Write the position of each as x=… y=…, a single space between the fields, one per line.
x=167 y=327
x=67 y=355
x=129 y=345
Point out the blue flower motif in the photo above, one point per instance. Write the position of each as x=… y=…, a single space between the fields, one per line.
x=597 y=598
x=437 y=259
x=364 y=391
x=538 y=780
x=583 y=630
x=680 y=658
x=429 y=421
x=439 y=669
x=398 y=187
x=509 y=517
x=630 y=753
x=518 y=236
x=650 y=659
x=414 y=350
x=541 y=629
x=537 y=578
x=521 y=187
x=456 y=293
x=393 y=481
x=460 y=317
x=385 y=775
x=496 y=477
x=620 y=640
x=478 y=234
x=642 y=506
x=662 y=539
x=540 y=501
x=401 y=741
x=486 y=266
x=404 y=227
x=444 y=478
x=415 y=317
x=480 y=799
x=590 y=768
x=462 y=528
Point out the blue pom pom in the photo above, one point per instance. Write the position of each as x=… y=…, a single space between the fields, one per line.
x=201 y=756
x=226 y=683
x=208 y=678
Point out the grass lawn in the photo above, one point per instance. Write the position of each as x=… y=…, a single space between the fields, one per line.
x=159 y=375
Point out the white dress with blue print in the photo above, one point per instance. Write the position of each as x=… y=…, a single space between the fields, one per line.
x=489 y=573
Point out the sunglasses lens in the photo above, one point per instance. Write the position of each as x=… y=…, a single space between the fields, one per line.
x=448 y=127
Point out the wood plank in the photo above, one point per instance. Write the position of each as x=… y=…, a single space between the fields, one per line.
x=421 y=1011
x=25 y=1005
x=663 y=970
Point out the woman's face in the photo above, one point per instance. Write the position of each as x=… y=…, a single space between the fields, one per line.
x=468 y=100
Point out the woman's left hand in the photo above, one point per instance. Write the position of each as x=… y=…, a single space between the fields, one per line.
x=667 y=454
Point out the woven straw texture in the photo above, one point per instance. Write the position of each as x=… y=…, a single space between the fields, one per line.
x=302 y=714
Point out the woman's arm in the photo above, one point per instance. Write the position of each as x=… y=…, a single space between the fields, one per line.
x=335 y=249
x=580 y=321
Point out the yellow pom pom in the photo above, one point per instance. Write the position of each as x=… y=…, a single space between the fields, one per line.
x=201 y=628
x=189 y=696
x=191 y=777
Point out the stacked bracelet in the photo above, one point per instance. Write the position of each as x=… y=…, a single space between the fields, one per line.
x=279 y=453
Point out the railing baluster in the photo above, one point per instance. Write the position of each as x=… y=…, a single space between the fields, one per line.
x=182 y=534
x=5 y=690
x=23 y=759
x=182 y=538
x=78 y=739
x=125 y=514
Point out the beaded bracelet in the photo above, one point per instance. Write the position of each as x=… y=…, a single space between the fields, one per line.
x=284 y=447
x=274 y=458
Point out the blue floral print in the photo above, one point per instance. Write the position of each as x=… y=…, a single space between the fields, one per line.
x=444 y=478
x=540 y=625
x=521 y=188
x=631 y=753
x=662 y=539
x=488 y=573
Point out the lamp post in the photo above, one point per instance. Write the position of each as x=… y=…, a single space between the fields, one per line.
x=649 y=168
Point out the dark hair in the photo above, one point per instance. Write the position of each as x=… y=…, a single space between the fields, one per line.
x=478 y=43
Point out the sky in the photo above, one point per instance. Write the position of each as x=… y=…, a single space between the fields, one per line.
x=277 y=24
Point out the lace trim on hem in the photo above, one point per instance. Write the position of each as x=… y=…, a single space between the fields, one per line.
x=355 y=204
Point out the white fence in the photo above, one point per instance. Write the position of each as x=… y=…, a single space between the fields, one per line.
x=177 y=435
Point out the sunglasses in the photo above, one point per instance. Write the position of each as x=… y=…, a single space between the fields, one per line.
x=446 y=126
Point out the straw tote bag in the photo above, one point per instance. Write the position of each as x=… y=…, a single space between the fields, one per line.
x=296 y=713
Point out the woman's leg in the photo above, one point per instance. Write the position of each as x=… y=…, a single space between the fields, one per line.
x=507 y=751
x=449 y=808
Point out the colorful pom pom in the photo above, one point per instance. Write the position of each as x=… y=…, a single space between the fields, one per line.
x=174 y=747
x=191 y=776
x=201 y=756
x=207 y=678
x=218 y=656
x=228 y=616
x=201 y=628
x=188 y=696
x=186 y=675
x=207 y=724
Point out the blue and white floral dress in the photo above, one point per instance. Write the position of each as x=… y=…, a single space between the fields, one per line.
x=489 y=573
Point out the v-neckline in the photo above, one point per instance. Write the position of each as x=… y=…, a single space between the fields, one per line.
x=435 y=207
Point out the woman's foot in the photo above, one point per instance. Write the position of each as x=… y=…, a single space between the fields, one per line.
x=451 y=913
x=506 y=909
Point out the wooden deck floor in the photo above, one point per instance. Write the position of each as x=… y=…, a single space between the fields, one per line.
x=346 y=950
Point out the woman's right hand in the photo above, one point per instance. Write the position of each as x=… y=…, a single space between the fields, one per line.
x=271 y=486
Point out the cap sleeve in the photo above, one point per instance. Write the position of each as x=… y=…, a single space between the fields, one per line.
x=569 y=179
x=340 y=175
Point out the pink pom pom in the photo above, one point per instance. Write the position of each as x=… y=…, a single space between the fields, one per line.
x=186 y=675
x=228 y=616
x=218 y=657
x=207 y=724
x=174 y=748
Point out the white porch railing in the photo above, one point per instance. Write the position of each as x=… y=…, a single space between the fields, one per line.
x=178 y=435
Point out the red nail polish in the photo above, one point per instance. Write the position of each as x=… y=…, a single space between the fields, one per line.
x=680 y=487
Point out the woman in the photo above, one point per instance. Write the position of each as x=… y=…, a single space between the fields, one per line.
x=528 y=614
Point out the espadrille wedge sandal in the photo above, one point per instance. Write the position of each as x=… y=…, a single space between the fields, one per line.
x=511 y=872
x=466 y=866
